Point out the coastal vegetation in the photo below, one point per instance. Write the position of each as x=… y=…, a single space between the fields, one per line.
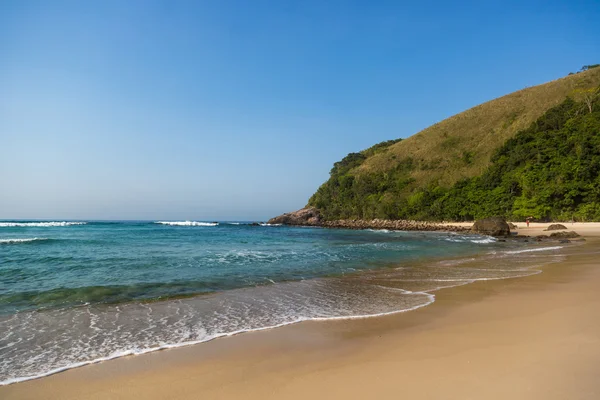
x=534 y=153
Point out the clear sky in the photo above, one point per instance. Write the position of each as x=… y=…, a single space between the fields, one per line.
x=238 y=109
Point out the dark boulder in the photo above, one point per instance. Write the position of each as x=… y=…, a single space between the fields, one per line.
x=556 y=227
x=564 y=235
x=305 y=216
x=493 y=226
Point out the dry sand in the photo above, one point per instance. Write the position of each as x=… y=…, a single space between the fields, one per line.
x=527 y=338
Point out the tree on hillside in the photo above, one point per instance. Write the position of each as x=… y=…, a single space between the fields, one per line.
x=586 y=67
x=587 y=96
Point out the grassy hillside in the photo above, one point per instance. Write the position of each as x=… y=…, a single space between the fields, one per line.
x=398 y=179
x=462 y=146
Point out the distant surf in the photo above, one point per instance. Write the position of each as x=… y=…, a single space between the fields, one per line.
x=20 y=240
x=187 y=223
x=39 y=224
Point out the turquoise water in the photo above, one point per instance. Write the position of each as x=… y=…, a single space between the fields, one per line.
x=72 y=293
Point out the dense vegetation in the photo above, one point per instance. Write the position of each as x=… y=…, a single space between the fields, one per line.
x=462 y=146
x=550 y=171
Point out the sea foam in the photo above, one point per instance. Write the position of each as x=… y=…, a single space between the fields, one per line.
x=39 y=224
x=472 y=239
x=19 y=240
x=532 y=250
x=187 y=223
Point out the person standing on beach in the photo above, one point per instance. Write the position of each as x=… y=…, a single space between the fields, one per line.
x=527 y=221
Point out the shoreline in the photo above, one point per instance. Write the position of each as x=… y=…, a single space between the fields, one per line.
x=310 y=337
x=534 y=228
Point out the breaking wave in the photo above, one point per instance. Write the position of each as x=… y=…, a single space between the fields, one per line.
x=20 y=240
x=471 y=239
x=39 y=224
x=187 y=223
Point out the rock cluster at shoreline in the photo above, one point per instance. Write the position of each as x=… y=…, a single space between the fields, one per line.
x=401 y=225
x=494 y=226
x=311 y=217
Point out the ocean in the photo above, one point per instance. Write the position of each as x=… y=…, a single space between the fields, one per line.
x=78 y=292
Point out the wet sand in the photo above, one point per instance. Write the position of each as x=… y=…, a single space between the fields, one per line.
x=526 y=338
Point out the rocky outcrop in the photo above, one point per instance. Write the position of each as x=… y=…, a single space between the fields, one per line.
x=564 y=235
x=493 y=226
x=397 y=225
x=556 y=227
x=308 y=216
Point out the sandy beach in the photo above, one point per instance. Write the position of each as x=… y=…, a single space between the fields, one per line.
x=527 y=338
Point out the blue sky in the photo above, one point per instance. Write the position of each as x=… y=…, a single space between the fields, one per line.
x=238 y=109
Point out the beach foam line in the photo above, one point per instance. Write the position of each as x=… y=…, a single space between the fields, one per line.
x=455 y=262
x=39 y=224
x=20 y=240
x=529 y=272
x=187 y=223
x=533 y=250
x=164 y=346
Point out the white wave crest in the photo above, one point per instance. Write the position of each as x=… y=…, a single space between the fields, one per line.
x=264 y=224
x=532 y=250
x=22 y=240
x=187 y=223
x=39 y=224
x=485 y=240
x=463 y=239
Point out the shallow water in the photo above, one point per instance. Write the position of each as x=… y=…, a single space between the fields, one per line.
x=72 y=294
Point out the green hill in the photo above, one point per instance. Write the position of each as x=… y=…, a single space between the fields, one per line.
x=416 y=178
